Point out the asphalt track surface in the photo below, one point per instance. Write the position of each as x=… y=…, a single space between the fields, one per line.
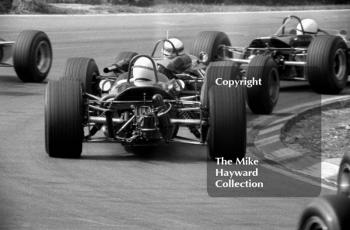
x=109 y=188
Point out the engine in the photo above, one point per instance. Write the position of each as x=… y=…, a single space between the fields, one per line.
x=146 y=123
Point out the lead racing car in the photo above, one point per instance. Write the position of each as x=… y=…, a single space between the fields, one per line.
x=31 y=55
x=142 y=100
x=299 y=50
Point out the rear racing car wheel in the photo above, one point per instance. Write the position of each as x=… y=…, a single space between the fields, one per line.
x=344 y=176
x=263 y=98
x=85 y=70
x=226 y=109
x=209 y=42
x=329 y=212
x=32 y=56
x=126 y=55
x=64 y=118
x=326 y=67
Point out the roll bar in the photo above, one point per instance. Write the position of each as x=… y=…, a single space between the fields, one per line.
x=132 y=61
x=162 y=41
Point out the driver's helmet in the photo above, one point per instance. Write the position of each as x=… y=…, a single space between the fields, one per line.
x=169 y=51
x=143 y=72
x=310 y=26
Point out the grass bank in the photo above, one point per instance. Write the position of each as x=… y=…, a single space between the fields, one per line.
x=178 y=7
x=183 y=8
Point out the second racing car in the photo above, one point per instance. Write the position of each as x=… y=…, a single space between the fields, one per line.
x=299 y=50
x=142 y=100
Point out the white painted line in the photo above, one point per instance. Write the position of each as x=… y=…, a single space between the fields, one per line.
x=313 y=103
x=281 y=119
x=282 y=154
x=329 y=170
x=296 y=107
x=271 y=129
x=174 y=14
x=324 y=169
x=298 y=177
x=335 y=161
x=268 y=140
x=328 y=100
x=314 y=170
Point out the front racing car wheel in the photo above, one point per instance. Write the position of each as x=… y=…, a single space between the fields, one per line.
x=226 y=133
x=227 y=123
x=210 y=42
x=330 y=212
x=64 y=118
x=344 y=176
x=326 y=67
x=85 y=70
x=263 y=98
x=32 y=56
x=226 y=70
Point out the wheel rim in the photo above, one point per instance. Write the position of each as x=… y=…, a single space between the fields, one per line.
x=43 y=57
x=339 y=65
x=344 y=180
x=315 y=223
x=273 y=85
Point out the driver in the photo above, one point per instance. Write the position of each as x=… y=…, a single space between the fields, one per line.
x=175 y=60
x=169 y=51
x=142 y=74
x=310 y=26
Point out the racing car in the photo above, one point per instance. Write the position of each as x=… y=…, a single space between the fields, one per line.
x=31 y=55
x=332 y=211
x=299 y=50
x=142 y=100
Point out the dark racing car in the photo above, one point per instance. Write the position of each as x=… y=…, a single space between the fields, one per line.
x=31 y=55
x=142 y=100
x=299 y=50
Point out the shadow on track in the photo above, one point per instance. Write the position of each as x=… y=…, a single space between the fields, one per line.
x=173 y=152
x=15 y=80
x=12 y=86
x=296 y=88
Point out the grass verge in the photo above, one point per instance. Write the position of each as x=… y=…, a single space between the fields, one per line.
x=61 y=8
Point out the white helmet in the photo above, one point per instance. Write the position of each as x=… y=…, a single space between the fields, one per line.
x=168 y=49
x=143 y=72
x=310 y=26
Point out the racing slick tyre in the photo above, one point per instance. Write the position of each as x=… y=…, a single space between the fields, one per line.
x=263 y=98
x=126 y=55
x=326 y=67
x=227 y=123
x=329 y=212
x=344 y=176
x=85 y=70
x=210 y=42
x=64 y=118
x=227 y=70
x=32 y=56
